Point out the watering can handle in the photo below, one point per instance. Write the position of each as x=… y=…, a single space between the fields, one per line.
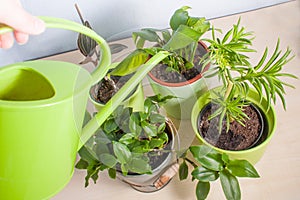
x=52 y=22
x=99 y=73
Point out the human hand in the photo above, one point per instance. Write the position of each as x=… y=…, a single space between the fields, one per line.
x=23 y=23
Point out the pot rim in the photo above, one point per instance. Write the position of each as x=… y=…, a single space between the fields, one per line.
x=95 y=102
x=265 y=111
x=188 y=82
x=262 y=119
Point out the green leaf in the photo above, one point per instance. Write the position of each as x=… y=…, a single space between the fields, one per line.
x=112 y=173
x=183 y=170
x=205 y=175
x=124 y=169
x=134 y=126
x=230 y=185
x=225 y=158
x=149 y=106
x=166 y=35
x=161 y=128
x=141 y=146
x=101 y=148
x=108 y=160
x=147 y=34
x=139 y=165
x=101 y=137
x=182 y=37
x=156 y=143
x=82 y=164
x=110 y=126
x=179 y=17
x=150 y=129
x=202 y=190
x=128 y=138
x=207 y=157
x=92 y=172
x=122 y=152
x=199 y=24
x=157 y=118
x=131 y=63
x=242 y=168
x=87 y=155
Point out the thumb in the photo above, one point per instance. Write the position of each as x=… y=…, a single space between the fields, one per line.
x=22 y=21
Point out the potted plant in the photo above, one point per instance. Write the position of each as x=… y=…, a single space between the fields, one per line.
x=135 y=146
x=238 y=117
x=180 y=73
x=102 y=91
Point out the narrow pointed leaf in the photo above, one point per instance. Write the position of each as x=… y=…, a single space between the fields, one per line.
x=230 y=185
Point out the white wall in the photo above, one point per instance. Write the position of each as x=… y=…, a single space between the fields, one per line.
x=115 y=19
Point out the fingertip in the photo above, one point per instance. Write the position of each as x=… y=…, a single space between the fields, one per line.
x=21 y=38
x=6 y=41
x=39 y=26
x=24 y=22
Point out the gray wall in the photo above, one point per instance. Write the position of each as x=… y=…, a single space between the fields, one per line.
x=115 y=19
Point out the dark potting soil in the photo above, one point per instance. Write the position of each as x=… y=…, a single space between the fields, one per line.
x=238 y=137
x=162 y=73
x=105 y=90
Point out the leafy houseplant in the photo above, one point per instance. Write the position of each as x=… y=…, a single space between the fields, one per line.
x=129 y=144
x=209 y=165
x=243 y=85
x=181 y=70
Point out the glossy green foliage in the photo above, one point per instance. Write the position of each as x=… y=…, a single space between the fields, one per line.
x=211 y=166
x=181 y=41
x=124 y=141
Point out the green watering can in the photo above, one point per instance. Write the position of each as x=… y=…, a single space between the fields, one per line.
x=42 y=109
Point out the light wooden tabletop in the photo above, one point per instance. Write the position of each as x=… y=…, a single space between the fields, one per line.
x=279 y=167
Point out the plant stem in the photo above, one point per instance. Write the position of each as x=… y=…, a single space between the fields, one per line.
x=194 y=48
x=79 y=13
x=229 y=89
x=191 y=162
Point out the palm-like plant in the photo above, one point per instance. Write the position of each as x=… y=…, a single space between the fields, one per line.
x=233 y=68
